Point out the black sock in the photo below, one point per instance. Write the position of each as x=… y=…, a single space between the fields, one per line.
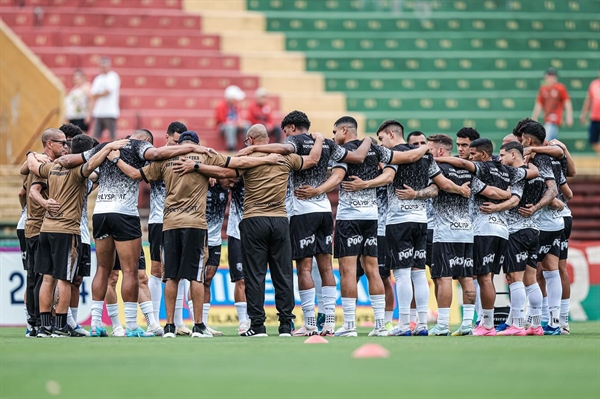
x=61 y=320
x=46 y=319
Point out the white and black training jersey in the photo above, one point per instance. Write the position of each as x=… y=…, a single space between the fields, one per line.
x=382 y=209
x=452 y=218
x=315 y=176
x=84 y=227
x=548 y=219
x=22 y=219
x=493 y=173
x=416 y=175
x=117 y=192
x=532 y=193
x=430 y=213
x=361 y=205
x=158 y=193
x=236 y=209
x=566 y=212
x=216 y=202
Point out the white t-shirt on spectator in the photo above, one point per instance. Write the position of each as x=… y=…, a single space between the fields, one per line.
x=107 y=106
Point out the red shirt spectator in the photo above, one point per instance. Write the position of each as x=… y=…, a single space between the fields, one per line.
x=260 y=112
x=552 y=99
x=228 y=117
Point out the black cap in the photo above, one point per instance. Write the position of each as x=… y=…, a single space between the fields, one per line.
x=188 y=135
x=551 y=71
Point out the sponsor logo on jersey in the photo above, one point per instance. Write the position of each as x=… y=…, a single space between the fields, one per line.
x=488 y=259
x=460 y=226
x=544 y=249
x=354 y=241
x=328 y=240
x=522 y=257
x=406 y=254
x=371 y=241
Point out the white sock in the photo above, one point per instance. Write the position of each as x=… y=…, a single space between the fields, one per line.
x=205 y=310
x=413 y=315
x=178 y=318
x=389 y=314
x=349 y=309
x=421 y=295
x=509 y=318
x=443 y=318
x=478 y=307
x=97 y=313
x=26 y=314
x=378 y=304
x=131 y=315
x=468 y=312
x=70 y=319
x=113 y=313
x=155 y=286
x=74 y=312
x=488 y=318
x=191 y=308
x=316 y=276
x=404 y=292
x=517 y=303
x=307 y=298
x=242 y=311
x=554 y=290
x=329 y=295
x=534 y=294
x=545 y=312
x=565 y=306
x=148 y=312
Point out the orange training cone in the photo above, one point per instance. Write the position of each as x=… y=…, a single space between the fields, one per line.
x=370 y=351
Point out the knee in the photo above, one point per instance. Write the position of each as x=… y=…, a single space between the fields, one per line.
x=112 y=280
x=240 y=284
x=143 y=277
x=77 y=282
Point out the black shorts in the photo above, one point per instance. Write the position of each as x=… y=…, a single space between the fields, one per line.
x=22 y=247
x=234 y=258
x=58 y=255
x=141 y=262
x=521 y=244
x=407 y=243
x=116 y=225
x=33 y=244
x=549 y=244
x=564 y=238
x=488 y=254
x=355 y=238
x=382 y=260
x=311 y=234
x=184 y=254
x=594 y=132
x=84 y=266
x=451 y=259
x=214 y=256
x=429 y=247
x=532 y=258
x=155 y=239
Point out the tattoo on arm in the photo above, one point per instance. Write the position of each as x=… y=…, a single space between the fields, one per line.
x=428 y=192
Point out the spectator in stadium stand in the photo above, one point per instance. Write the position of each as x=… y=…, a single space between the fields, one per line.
x=229 y=116
x=260 y=112
x=552 y=99
x=105 y=99
x=77 y=102
x=592 y=104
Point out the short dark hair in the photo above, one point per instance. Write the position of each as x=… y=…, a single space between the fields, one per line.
x=536 y=130
x=81 y=143
x=484 y=145
x=176 y=127
x=296 y=118
x=146 y=133
x=468 y=133
x=513 y=145
x=96 y=142
x=346 y=120
x=443 y=139
x=391 y=122
x=415 y=133
x=70 y=130
x=517 y=131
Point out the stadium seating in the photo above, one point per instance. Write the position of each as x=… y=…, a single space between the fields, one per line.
x=471 y=62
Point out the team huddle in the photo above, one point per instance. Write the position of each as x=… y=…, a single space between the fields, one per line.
x=403 y=204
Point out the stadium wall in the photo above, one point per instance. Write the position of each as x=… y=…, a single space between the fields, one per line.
x=583 y=264
x=31 y=98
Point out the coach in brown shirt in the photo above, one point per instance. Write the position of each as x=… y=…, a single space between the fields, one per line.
x=60 y=235
x=265 y=236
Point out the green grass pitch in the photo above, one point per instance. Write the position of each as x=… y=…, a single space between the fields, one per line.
x=273 y=367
